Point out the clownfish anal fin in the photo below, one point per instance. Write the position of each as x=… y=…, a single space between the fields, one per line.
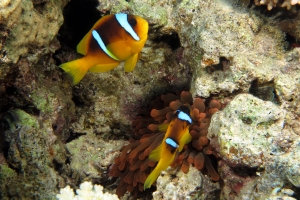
x=155 y=154
x=163 y=127
x=185 y=139
x=104 y=67
x=131 y=62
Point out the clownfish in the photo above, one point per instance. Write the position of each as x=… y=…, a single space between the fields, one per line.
x=112 y=39
x=176 y=136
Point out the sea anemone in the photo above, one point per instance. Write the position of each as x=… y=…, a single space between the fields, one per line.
x=133 y=165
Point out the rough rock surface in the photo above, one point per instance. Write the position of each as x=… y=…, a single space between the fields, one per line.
x=192 y=185
x=30 y=27
x=90 y=155
x=251 y=133
x=31 y=154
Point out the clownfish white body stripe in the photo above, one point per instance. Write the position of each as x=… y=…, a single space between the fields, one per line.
x=102 y=45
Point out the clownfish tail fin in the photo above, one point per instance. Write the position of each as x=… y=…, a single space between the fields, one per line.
x=75 y=69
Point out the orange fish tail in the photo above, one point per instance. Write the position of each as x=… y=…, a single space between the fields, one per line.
x=76 y=69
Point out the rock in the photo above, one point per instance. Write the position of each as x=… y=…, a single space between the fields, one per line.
x=251 y=134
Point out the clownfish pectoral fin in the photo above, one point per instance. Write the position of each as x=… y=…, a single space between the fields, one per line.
x=83 y=45
x=163 y=127
x=185 y=139
x=131 y=62
x=76 y=69
x=155 y=154
x=104 y=67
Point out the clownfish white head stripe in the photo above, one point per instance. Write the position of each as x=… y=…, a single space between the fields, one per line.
x=172 y=143
x=183 y=116
x=102 y=45
x=122 y=19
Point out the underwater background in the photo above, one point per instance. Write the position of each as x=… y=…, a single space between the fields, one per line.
x=237 y=62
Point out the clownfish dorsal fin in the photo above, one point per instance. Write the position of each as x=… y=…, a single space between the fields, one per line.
x=155 y=154
x=163 y=127
x=130 y=63
x=185 y=139
x=104 y=67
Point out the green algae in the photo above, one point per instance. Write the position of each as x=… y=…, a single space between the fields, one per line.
x=43 y=99
x=20 y=118
x=6 y=173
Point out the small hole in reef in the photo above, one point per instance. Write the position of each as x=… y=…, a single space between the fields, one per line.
x=54 y=127
x=245 y=171
x=291 y=41
x=74 y=136
x=222 y=66
x=57 y=166
x=264 y=91
x=172 y=40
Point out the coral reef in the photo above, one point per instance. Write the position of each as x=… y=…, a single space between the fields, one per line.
x=251 y=134
x=86 y=192
x=133 y=165
x=217 y=48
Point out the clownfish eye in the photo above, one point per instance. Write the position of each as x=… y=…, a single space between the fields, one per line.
x=132 y=22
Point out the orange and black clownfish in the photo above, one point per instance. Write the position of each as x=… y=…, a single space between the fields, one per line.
x=177 y=135
x=113 y=39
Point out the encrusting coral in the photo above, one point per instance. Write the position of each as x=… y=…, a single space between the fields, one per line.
x=273 y=3
x=133 y=165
